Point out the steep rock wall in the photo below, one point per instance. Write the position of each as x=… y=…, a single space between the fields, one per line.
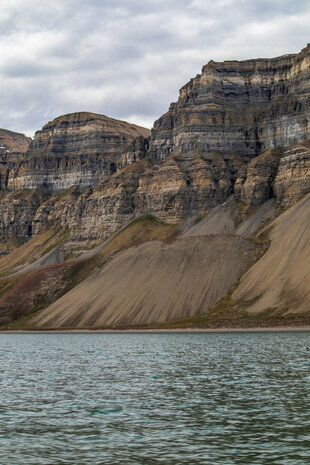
x=245 y=107
x=293 y=176
x=172 y=190
x=77 y=149
x=13 y=147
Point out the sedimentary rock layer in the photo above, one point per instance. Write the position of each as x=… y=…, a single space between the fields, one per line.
x=177 y=188
x=17 y=212
x=13 y=146
x=254 y=184
x=244 y=107
x=77 y=149
x=293 y=176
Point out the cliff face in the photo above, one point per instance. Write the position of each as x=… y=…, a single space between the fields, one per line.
x=173 y=190
x=217 y=141
x=244 y=107
x=293 y=176
x=13 y=146
x=234 y=147
x=17 y=211
x=255 y=183
x=77 y=149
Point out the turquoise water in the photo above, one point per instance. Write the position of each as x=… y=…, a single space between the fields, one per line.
x=233 y=398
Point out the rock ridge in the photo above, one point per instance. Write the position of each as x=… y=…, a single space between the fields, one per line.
x=77 y=149
x=245 y=107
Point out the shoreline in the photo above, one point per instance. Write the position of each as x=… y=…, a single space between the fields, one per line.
x=163 y=331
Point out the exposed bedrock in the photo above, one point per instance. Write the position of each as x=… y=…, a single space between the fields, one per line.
x=216 y=141
x=175 y=189
x=13 y=146
x=77 y=149
x=16 y=215
x=245 y=107
x=254 y=185
x=293 y=177
x=172 y=190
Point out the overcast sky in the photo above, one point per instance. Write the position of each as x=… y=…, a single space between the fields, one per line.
x=128 y=58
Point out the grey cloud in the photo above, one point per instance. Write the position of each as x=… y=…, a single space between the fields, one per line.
x=128 y=58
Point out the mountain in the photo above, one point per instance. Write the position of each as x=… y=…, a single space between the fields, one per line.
x=13 y=146
x=202 y=221
x=244 y=107
x=77 y=149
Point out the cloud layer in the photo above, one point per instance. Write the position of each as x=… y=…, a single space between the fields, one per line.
x=128 y=58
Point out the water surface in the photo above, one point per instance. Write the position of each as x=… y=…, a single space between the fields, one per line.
x=211 y=398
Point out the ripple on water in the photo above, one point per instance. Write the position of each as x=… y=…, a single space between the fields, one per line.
x=234 y=398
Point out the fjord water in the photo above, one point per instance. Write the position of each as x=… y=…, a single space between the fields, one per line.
x=207 y=398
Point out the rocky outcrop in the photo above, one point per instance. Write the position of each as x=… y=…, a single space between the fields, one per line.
x=254 y=185
x=245 y=107
x=219 y=162
x=216 y=141
x=174 y=189
x=13 y=146
x=77 y=149
x=293 y=177
x=17 y=211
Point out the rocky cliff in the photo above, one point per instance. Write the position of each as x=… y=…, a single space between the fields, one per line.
x=174 y=190
x=77 y=149
x=13 y=147
x=230 y=156
x=226 y=135
x=244 y=107
x=292 y=181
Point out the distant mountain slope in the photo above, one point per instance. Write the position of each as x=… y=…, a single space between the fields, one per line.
x=13 y=142
x=226 y=160
x=13 y=146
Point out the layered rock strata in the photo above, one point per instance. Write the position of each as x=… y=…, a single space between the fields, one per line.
x=13 y=146
x=17 y=212
x=177 y=188
x=293 y=176
x=77 y=149
x=254 y=185
x=245 y=107
x=241 y=108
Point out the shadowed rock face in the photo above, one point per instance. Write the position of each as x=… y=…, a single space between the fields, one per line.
x=255 y=183
x=293 y=175
x=245 y=107
x=172 y=190
x=13 y=146
x=16 y=216
x=77 y=149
